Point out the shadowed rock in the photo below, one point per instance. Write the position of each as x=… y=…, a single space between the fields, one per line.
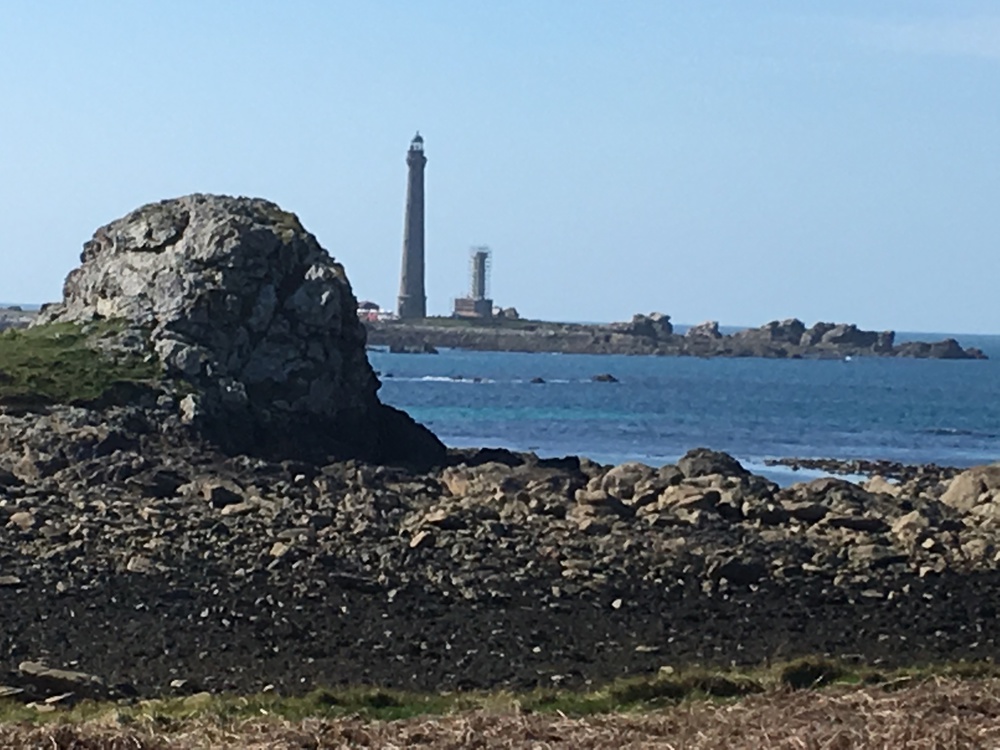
x=699 y=462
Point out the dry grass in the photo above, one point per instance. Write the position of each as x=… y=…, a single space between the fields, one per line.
x=928 y=714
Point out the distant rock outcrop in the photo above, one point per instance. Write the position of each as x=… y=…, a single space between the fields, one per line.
x=847 y=334
x=946 y=349
x=709 y=329
x=654 y=334
x=798 y=339
x=655 y=325
x=782 y=332
x=240 y=302
x=15 y=317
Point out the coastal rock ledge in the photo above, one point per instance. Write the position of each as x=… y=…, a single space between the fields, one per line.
x=255 y=325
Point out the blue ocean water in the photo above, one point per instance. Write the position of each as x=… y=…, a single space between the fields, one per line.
x=915 y=411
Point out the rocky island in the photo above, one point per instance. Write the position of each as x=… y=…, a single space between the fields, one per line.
x=654 y=334
x=201 y=491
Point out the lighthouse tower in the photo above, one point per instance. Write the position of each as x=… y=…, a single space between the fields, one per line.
x=412 y=303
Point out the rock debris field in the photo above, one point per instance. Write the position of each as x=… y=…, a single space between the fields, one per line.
x=160 y=566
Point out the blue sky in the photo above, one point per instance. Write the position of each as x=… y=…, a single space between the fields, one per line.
x=739 y=161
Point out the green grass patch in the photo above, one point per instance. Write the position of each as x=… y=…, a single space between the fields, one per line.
x=63 y=363
x=634 y=694
x=810 y=672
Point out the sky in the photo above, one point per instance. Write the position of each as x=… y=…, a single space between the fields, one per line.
x=736 y=161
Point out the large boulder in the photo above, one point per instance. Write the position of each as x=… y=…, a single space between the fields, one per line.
x=976 y=489
x=700 y=462
x=243 y=305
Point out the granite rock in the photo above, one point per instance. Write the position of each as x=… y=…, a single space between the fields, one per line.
x=241 y=303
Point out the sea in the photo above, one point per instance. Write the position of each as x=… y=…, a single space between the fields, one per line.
x=945 y=412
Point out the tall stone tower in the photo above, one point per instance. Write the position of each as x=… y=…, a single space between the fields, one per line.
x=412 y=302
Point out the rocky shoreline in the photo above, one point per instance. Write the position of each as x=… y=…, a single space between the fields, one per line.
x=654 y=335
x=201 y=491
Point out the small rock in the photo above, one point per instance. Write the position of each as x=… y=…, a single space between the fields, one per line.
x=770 y=514
x=421 y=538
x=159 y=483
x=189 y=408
x=593 y=527
x=183 y=687
x=875 y=556
x=22 y=519
x=296 y=532
x=319 y=521
x=806 y=511
x=858 y=523
x=61 y=700
x=221 y=493
x=978 y=550
x=444 y=519
x=738 y=572
x=880 y=485
x=139 y=564
x=911 y=524
x=237 y=509
x=622 y=481
x=57 y=681
x=8 y=479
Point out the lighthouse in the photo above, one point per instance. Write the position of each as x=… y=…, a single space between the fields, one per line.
x=412 y=303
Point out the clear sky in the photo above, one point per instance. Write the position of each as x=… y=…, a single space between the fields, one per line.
x=739 y=161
